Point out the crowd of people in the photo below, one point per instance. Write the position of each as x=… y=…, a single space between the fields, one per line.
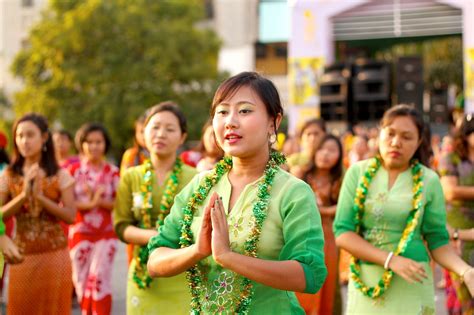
x=235 y=225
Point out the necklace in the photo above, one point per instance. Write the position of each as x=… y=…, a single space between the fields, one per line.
x=140 y=276
x=194 y=274
x=408 y=232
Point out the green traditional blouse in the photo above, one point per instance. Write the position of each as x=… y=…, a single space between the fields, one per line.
x=165 y=295
x=292 y=231
x=386 y=211
x=126 y=210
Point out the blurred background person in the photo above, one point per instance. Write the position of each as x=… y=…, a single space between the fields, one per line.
x=63 y=145
x=311 y=134
x=324 y=175
x=456 y=169
x=39 y=194
x=144 y=199
x=137 y=154
x=211 y=153
x=4 y=159
x=92 y=241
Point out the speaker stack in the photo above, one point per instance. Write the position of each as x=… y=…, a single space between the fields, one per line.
x=335 y=92
x=371 y=89
x=409 y=81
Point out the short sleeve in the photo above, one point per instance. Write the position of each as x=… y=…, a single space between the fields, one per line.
x=447 y=165
x=170 y=232
x=122 y=213
x=303 y=234
x=65 y=179
x=345 y=220
x=433 y=227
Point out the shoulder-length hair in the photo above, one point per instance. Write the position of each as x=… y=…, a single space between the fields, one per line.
x=48 y=159
x=338 y=168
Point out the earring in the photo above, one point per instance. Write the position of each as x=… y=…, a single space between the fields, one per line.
x=272 y=138
x=45 y=148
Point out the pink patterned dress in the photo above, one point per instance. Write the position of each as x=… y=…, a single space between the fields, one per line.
x=92 y=240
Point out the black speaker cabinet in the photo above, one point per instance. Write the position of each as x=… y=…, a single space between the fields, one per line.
x=409 y=81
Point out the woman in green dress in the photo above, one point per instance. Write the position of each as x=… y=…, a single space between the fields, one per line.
x=247 y=233
x=389 y=207
x=144 y=198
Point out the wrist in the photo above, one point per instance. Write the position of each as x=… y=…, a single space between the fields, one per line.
x=386 y=264
x=455 y=235
x=225 y=259
x=196 y=254
x=463 y=274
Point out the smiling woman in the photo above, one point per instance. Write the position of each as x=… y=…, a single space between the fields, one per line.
x=246 y=232
x=145 y=196
x=388 y=207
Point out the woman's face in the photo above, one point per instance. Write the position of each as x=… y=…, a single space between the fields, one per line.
x=311 y=137
x=470 y=140
x=163 y=134
x=62 y=144
x=242 y=125
x=327 y=155
x=93 y=147
x=209 y=142
x=399 y=142
x=29 y=139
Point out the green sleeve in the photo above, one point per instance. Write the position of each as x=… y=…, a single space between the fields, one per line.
x=122 y=213
x=170 y=232
x=303 y=234
x=433 y=226
x=345 y=219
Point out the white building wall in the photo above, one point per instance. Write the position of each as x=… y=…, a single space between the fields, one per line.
x=15 y=23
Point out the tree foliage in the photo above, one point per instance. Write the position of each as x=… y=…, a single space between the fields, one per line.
x=107 y=61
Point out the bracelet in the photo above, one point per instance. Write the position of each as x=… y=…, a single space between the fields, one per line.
x=456 y=234
x=463 y=273
x=387 y=260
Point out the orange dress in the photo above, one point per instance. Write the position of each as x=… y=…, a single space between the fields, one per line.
x=327 y=300
x=41 y=284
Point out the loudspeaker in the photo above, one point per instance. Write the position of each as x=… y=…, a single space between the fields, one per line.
x=335 y=92
x=409 y=81
x=439 y=112
x=371 y=90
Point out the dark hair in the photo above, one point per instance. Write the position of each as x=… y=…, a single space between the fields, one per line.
x=64 y=132
x=264 y=88
x=460 y=138
x=314 y=121
x=422 y=154
x=4 y=156
x=337 y=170
x=48 y=160
x=168 y=107
x=86 y=129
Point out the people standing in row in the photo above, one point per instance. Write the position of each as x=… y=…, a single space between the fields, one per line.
x=39 y=194
x=324 y=175
x=247 y=232
x=456 y=169
x=92 y=241
x=144 y=199
x=388 y=206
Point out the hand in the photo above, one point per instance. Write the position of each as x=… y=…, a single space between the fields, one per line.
x=408 y=269
x=97 y=198
x=10 y=250
x=220 y=232
x=469 y=280
x=203 y=239
x=29 y=177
